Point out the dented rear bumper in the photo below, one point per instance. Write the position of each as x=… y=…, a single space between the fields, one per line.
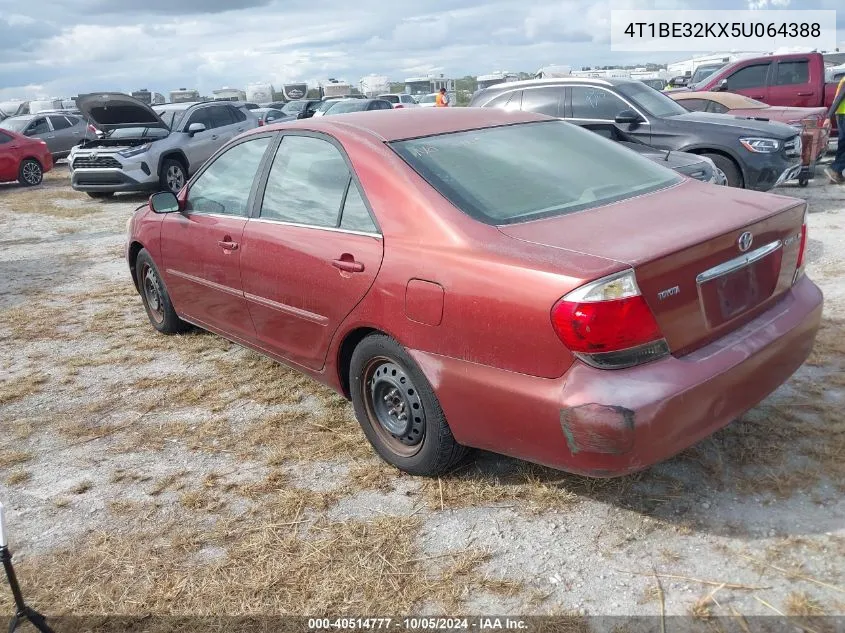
x=607 y=423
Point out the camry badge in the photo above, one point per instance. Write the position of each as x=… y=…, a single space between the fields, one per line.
x=744 y=241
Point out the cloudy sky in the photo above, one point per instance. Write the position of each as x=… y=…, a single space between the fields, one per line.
x=51 y=48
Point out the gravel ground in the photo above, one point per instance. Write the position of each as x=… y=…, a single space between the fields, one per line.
x=108 y=439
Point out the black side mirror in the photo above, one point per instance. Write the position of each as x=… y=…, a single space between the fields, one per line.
x=628 y=116
x=164 y=202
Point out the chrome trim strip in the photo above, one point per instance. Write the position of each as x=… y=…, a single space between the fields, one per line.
x=283 y=307
x=206 y=283
x=738 y=262
x=319 y=228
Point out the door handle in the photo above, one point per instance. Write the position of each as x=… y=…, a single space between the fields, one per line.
x=240 y=129
x=347 y=264
x=805 y=94
x=756 y=96
x=213 y=137
x=228 y=245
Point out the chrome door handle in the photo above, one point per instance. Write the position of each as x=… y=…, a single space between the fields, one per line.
x=228 y=246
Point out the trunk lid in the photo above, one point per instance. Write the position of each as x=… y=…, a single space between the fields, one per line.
x=684 y=246
x=114 y=110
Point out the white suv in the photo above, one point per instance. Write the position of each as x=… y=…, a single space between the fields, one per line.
x=150 y=148
x=401 y=100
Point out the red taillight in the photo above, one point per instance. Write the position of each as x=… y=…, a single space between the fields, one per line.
x=802 y=246
x=608 y=323
x=260 y=122
x=92 y=129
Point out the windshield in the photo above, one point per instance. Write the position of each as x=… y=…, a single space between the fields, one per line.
x=327 y=104
x=428 y=99
x=15 y=125
x=293 y=107
x=137 y=132
x=703 y=72
x=653 y=102
x=171 y=118
x=353 y=105
x=559 y=169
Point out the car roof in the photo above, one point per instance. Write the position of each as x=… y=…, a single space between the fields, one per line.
x=404 y=123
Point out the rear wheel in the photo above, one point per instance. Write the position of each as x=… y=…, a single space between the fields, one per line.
x=30 y=173
x=154 y=295
x=399 y=411
x=729 y=168
x=100 y=195
x=172 y=175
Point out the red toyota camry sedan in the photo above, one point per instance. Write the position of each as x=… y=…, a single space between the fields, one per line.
x=23 y=159
x=477 y=278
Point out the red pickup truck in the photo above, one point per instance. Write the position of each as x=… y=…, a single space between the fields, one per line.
x=795 y=80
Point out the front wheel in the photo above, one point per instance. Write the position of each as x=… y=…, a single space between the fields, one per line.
x=399 y=411
x=155 y=297
x=729 y=168
x=173 y=175
x=30 y=173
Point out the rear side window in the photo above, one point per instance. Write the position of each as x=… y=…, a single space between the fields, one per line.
x=559 y=169
x=4 y=138
x=507 y=101
x=224 y=187
x=59 y=122
x=38 y=126
x=306 y=183
x=791 y=73
x=355 y=216
x=543 y=101
x=391 y=98
x=749 y=77
x=716 y=107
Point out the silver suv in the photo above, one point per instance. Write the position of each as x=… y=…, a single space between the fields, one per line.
x=150 y=147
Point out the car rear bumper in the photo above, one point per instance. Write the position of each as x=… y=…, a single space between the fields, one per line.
x=604 y=423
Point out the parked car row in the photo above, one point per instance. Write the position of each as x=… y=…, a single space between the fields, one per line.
x=477 y=277
x=59 y=129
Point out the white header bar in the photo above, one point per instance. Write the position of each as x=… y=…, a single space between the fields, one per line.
x=691 y=31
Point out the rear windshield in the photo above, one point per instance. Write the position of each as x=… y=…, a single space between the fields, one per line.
x=516 y=173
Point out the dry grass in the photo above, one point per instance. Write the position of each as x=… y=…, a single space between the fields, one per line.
x=82 y=487
x=19 y=387
x=13 y=458
x=798 y=603
x=19 y=477
x=52 y=201
x=270 y=566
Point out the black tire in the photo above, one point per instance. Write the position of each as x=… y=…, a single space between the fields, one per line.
x=379 y=368
x=30 y=173
x=803 y=181
x=100 y=195
x=729 y=168
x=172 y=176
x=157 y=302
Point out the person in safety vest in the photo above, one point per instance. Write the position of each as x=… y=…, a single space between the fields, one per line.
x=837 y=112
x=442 y=99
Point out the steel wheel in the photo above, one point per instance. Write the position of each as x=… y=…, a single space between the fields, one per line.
x=393 y=406
x=152 y=293
x=31 y=173
x=175 y=177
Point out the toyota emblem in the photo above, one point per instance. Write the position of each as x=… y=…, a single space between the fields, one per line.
x=744 y=241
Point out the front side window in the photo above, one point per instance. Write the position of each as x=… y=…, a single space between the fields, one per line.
x=59 y=122
x=202 y=115
x=543 y=101
x=237 y=114
x=595 y=103
x=749 y=77
x=38 y=126
x=558 y=169
x=792 y=73
x=225 y=185
x=306 y=183
x=508 y=101
x=694 y=105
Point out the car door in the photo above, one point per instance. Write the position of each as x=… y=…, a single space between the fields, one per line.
x=790 y=85
x=8 y=157
x=201 y=246
x=311 y=250
x=65 y=136
x=595 y=105
x=40 y=128
x=201 y=145
x=751 y=81
x=223 y=124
